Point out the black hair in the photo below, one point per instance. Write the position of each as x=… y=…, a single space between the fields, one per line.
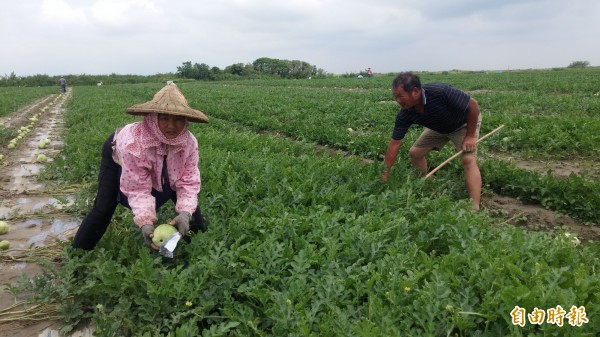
x=407 y=80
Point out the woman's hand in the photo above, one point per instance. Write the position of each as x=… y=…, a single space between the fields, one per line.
x=148 y=233
x=183 y=222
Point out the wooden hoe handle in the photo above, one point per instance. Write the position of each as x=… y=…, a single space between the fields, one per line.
x=460 y=152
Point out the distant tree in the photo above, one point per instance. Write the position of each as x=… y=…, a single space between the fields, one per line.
x=38 y=80
x=198 y=71
x=249 y=70
x=284 y=68
x=81 y=79
x=215 y=72
x=269 y=66
x=186 y=70
x=319 y=73
x=579 y=64
x=261 y=66
x=11 y=80
x=235 y=69
x=202 y=72
x=300 y=69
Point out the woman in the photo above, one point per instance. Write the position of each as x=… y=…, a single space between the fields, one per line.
x=144 y=165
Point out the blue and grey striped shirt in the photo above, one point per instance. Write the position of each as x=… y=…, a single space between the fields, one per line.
x=445 y=110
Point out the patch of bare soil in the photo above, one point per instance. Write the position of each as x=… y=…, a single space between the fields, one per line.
x=336 y=152
x=480 y=91
x=561 y=168
x=536 y=218
x=351 y=89
x=35 y=214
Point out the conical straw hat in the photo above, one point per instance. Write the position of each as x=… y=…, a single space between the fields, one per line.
x=169 y=100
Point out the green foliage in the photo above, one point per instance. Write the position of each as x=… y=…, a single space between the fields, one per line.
x=239 y=69
x=579 y=64
x=284 y=68
x=43 y=80
x=198 y=71
x=13 y=80
x=304 y=242
x=15 y=98
x=261 y=67
x=6 y=134
x=574 y=195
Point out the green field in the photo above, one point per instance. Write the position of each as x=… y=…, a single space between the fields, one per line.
x=305 y=240
x=14 y=98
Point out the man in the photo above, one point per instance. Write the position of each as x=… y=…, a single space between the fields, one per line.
x=447 y=114
x=63 y=84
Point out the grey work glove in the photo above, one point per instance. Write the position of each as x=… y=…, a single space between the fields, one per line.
x=183 y=222
x=148 y=232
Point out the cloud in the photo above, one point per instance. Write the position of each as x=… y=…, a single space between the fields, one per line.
x=125 y=14
x=150 y=36
x=59 y=12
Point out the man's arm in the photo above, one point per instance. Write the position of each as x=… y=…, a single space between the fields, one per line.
x=390 y=157
x=470 y=141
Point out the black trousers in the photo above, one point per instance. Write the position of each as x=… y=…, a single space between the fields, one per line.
x=109 y=195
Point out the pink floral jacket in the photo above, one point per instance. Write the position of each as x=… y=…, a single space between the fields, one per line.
x=141 y=172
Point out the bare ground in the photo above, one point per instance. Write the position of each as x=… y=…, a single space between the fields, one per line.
x=563 y=168
x=535 y=217
x=35 y=214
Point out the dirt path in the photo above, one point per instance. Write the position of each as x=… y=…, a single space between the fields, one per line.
x=563 y=168
x=535 y=217
x=34 y=213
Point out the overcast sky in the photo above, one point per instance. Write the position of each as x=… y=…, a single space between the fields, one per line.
x=146 y=37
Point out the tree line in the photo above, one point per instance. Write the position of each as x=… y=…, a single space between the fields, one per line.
x=41 y=80
x=262 y=67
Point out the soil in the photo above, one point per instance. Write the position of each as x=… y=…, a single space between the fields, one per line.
x=34 y=212
x=563 y=168
x=535 y=217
